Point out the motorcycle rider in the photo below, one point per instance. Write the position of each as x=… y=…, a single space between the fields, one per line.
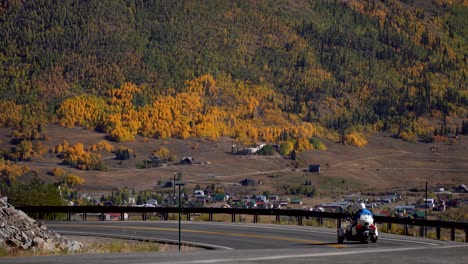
x=361 y=211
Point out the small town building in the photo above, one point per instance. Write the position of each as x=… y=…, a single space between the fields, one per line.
x=314 y=168
x=461 y=189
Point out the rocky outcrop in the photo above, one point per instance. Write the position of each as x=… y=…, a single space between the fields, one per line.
x=19 y=231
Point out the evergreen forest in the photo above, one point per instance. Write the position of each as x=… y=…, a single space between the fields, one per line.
x=255 y=70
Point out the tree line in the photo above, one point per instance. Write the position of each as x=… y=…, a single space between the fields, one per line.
x=350 y=67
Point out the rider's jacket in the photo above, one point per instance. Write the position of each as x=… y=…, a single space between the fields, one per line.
x=362 y=211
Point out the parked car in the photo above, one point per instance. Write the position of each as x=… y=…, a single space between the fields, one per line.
x=296 y=200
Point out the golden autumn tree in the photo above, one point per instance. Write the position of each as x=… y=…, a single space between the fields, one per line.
x=84 y=110
x=355 y=139
x=10 y=171
x=11 y=114
x=73 y=180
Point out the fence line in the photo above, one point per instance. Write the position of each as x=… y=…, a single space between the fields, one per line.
x=40 y=211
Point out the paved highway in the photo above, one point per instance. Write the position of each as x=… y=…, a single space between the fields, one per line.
x=252 y=243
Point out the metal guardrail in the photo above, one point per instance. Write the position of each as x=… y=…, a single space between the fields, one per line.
x=299 y=214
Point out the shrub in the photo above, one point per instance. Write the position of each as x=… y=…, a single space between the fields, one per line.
x=408 y=136
x=73 y=180
x=285 y=148
x=162 y=152
x=355 y=139
x=302 y=144
x=123 y=154
x=101 y=146
x=317 y=144
x=57 y=172
x=267 y=150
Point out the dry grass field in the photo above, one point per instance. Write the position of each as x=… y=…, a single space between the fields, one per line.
x=385 y=164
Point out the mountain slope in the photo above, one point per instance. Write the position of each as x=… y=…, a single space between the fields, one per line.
x=346 y=65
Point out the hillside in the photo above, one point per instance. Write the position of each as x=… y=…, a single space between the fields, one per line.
x=82 y=83
x=344 y=66
x=384 y=165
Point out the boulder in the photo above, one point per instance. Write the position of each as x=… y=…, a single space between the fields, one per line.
x=19 y=231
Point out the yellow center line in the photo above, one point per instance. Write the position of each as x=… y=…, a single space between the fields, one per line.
x=296 y=240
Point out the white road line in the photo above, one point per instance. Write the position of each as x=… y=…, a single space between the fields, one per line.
x=162 y=240
x=303 y=230
x=278 y=257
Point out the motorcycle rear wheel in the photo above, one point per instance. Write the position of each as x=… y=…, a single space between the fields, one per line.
x=340 y=238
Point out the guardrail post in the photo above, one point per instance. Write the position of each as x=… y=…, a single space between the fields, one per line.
x=69 y=216
x=421 y=231
x=122 y=216
x=210 y=217
x=452 y=234
x=338 y=223
x=84 y=217
x=438 y=232
x=233 y=218
x=188 y=216
x=389 y=227
x=255 y=218
x=299 y=220
x=406 y=229
x=278 y=219
x=53 y=216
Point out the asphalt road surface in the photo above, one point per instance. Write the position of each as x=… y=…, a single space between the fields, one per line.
x=251 y=243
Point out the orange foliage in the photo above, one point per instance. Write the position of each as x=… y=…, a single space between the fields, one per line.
x=83 y=110
x=162 y=152
x=57 y=172
x=302 y=144
x=11 y=171
x=208 y=108
x=440 y=138
x=101 y=146
x=73 y=180
x=11 y=114
x=61 y=148
x=355 y=139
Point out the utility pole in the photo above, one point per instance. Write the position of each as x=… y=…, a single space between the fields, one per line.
x=179 y=219
x=174 y=197
x=425 y=215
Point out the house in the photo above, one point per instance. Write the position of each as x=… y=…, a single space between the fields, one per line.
x=296 y=200
x=314 y=168
x=152 y=201
x=261 y=198
x=155 y=159
x=238 y=150
x=461 y=189
x=198 y=193
x=430 y=203
x=334 y=207
x=114 y=216
x=186 y=161
x=405 y=209
x=274 y=197
x=418 y=215
x=248 y=182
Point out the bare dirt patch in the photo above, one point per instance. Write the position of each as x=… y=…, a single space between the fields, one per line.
x=384 y=165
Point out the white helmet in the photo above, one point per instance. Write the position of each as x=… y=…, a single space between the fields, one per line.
x=362 y=205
